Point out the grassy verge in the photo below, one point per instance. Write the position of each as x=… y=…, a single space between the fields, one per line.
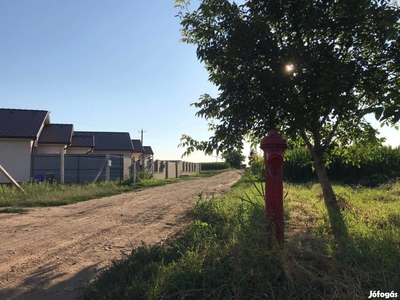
x=45 y=194
x=226 y=253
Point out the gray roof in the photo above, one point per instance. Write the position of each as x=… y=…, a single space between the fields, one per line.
x=22 y=123
x=109 y=140
x=56 y=134
x=148 y=150
x=86 y=141
x=137 y=146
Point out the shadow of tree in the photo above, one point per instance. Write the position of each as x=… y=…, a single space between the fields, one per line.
x=338 y=226
x=35 y=287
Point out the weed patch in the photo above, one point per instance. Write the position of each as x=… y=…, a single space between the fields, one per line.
x=46 y=194
x=13 y=210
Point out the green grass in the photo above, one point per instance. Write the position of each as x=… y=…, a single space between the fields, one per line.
x=227 y=254
x=46 y=194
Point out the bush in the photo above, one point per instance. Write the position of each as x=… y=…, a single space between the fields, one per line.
x=257 y=166
x=144 y=175
x=370 y=166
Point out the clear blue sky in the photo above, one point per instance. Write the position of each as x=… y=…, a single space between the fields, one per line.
x=107 y=66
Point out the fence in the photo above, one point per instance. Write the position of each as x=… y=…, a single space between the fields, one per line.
x=174 y=168
x=79 y=168
x=76 y=168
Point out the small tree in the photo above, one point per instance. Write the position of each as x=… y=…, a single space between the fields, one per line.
x=308 y=68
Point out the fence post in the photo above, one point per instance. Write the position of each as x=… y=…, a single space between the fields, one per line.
x=134 y=170
x=107 y=167
x=274 y=146
x=62 y=174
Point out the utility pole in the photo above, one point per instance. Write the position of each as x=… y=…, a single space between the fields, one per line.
x=141 y=135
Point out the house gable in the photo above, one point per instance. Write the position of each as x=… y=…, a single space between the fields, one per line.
x=19 y=131
x=54 y=139
x=22 y=123
x=56 y=134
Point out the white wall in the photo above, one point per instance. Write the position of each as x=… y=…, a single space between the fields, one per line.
x=15 y=157
x=78 y=150
x=49 y=149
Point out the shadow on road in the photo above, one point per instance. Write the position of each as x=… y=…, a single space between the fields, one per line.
x=35 y=286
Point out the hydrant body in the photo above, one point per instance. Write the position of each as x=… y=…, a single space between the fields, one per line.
x=274 y=146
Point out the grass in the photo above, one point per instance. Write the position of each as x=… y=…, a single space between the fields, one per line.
x=46 y=194
x=227 y=254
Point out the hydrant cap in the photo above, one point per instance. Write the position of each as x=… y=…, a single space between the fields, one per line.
x=273 y=138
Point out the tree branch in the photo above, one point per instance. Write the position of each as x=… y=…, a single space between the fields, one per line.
x=306 y=139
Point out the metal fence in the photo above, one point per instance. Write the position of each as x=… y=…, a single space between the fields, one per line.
x=78 y=168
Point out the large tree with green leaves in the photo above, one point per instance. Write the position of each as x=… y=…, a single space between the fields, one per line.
x=308 y=68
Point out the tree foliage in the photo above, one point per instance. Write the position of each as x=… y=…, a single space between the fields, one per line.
x=309 y=68
x=234 y=158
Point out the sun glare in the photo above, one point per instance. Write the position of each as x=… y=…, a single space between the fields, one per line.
x=289 y=68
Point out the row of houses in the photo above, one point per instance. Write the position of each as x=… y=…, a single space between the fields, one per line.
x=24 y=133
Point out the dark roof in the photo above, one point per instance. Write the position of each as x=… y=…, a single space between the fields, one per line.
x=137 y=146
x=109 y=140
x=56 y=134
x=86 y=141
x=148 y=150
x=22 y=123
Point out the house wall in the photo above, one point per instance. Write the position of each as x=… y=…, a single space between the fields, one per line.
x=78 y=150
x=136 y=155
x=126 y=155
x=15 y=157
x=49 y=149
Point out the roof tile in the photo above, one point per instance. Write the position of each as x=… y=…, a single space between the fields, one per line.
x=21 y=123
x=109 y=140
x=86 y=141
x=137 y=146
x=148 y=150
x=56 y=134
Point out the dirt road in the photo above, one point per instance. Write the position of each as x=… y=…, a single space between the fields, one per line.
x=50 y=253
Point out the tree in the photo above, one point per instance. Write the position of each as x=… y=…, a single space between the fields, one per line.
x=234 y=158
x=308 y=68
x=388 y=113
x=252 y=155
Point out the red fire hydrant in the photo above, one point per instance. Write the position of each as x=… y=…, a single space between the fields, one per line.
x=274 y=146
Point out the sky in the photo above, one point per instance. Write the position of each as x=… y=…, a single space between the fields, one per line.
x=105 y=65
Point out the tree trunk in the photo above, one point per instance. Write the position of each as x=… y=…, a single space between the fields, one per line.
x=327 y=190
x=335 y=216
